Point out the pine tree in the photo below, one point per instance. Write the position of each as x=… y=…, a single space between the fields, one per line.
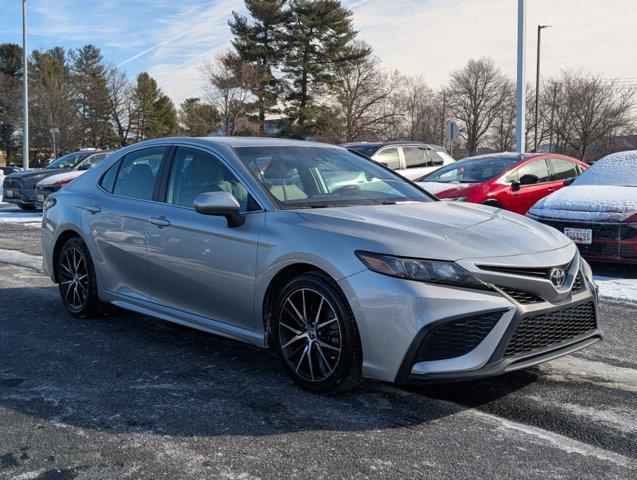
x=319 y=36
x=91 y=91
x=10 y=75
x=259 y=44
x=154 y=113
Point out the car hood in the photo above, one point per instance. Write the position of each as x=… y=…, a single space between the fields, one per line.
x=439 y=230
x=59 y=177
x=447 y=188
x=32 y=176
x=601 y=203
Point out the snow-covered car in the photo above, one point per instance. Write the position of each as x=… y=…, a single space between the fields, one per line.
x=52 y=184
x=598 y=211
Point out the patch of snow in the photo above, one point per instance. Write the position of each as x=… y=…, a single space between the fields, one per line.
x=21 y=259
x=59 y=177
x=615 y=288
x=615 y=169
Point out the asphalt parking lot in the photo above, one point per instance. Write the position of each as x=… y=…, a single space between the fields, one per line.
x=126 y=396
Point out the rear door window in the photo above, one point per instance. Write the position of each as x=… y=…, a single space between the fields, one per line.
x=538 y=168
x=138 y=172
x=416 y=156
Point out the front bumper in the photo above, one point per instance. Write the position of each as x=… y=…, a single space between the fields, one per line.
x=16 y=193
x=396 y=317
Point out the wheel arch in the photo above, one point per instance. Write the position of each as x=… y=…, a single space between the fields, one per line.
x=60 y=241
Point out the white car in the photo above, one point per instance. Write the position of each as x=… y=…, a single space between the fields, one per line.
x=412 y=160
x=598 y=211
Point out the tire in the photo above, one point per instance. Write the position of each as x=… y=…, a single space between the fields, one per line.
x=27 y=207
x=328 y=325
x=77 y=280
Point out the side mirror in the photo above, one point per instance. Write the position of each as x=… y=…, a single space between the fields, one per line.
x=529 y=179
x=84 y=167
x=568 y=181
x=220 y=204
x=515 y=185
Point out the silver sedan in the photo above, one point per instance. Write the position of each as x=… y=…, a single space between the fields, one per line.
x=343 y=267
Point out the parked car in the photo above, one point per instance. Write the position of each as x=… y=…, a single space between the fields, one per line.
x=9 y=170
x=19 y=187
x=410 y=159
x=598 y=211
x=505 y=180
x=376 y=279
x=52 y=184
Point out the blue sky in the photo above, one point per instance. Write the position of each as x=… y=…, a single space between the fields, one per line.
x=171 y=38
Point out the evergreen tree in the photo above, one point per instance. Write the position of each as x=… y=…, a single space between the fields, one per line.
x=154 y=113
x=198 y=119
x=10 y=90
x=259 y=43
x=319 y=36
x=89 y=75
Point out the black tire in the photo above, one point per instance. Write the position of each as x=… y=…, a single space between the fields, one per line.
x=493 y=203
x=27 y=207
x=90 y=306
x=335 y=372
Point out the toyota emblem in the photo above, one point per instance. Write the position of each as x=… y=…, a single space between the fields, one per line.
x=558 y=277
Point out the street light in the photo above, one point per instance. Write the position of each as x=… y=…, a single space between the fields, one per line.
x=25 y=78
x=537 y=79
x=520 y=113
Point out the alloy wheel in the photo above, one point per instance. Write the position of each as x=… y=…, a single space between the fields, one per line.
x=74 y=279
x=310 y=334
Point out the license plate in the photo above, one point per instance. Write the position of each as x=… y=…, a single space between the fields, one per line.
x=579 y=235
x=8 y=193
x=41 y=198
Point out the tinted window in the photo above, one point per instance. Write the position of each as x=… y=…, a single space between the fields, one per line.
x=388 y=157
x=563 y=169
x=539 y=168
x=366 y=149
x=472 y=170
x=136 y=176
x=108 y=179
x=312 y=177
x=416 y=156
x=194 y=172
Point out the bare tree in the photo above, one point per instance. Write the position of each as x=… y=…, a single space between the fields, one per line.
x=229 y=83
x=120 y=99
x=419 y=110
x=475 y=97
x=587 y=108
x=359 y=100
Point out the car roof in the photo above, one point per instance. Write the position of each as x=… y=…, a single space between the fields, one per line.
x=237 y=142
x=384 y=144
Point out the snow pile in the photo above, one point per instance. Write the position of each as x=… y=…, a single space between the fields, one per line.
x=615 y=288
x=605 y=192
x=15 y=215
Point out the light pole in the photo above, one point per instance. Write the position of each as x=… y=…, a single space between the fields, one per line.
x=537 y=79
x=55 y=148
x=25 y=78
x=520 y=127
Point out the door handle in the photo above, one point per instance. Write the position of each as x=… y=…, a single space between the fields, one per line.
x=92 y=209
x=159 y=221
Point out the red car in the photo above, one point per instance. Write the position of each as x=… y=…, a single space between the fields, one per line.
x=511 y=181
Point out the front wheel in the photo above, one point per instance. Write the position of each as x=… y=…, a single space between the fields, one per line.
x=316 y=336
x=77 y=282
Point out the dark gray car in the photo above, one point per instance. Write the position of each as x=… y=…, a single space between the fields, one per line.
x=19 y=187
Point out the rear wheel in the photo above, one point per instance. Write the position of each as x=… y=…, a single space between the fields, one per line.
x=76 y=277
x=29 y=207
x=316 y=336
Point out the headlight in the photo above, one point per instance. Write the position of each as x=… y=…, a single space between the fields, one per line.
x=455 y=199
x=421 y=270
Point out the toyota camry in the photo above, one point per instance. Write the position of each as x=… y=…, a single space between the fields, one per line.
x=341 y=266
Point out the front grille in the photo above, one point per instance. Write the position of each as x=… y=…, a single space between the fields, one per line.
x=545 y=329
x=520 y=296
x=11 y=183
x=524 y=271
x=456 y=337
x=578 y=285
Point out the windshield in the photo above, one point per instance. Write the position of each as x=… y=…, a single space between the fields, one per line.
x=91 y=161
x=472 y=170
x=67 y=161
x=618 y=169
x=366 y=149
x=313 y=177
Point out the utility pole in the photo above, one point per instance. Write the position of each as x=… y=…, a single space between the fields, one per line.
x=520 y=120
x=537 y=80
x=25 y=78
